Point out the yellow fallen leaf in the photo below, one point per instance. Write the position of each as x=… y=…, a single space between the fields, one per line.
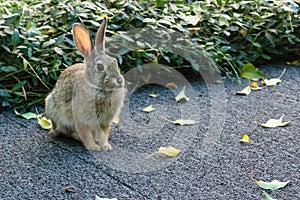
x=153 y=95
x=273 y=185
x=245 y=91
x=254 y=84
x=44 y=122
x=168 y=151
x=245 y=139
x=181 y=96
x=219 y=81
x=273 y=123
x=99 y=198
x=148 y=109
x=171 y=85
x=116 y=120
x=182 y=122
x=258 y=88
x=293 y=63
x=271 y=82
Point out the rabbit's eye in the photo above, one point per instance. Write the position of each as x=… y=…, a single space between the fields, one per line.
x=100 y=67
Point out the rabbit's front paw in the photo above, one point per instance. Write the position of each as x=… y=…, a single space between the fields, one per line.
x=94 y=148
x=106 y=147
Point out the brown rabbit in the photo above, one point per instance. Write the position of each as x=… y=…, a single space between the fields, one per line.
x=89 y=95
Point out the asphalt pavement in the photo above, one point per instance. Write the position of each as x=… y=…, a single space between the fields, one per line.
x=213 y=163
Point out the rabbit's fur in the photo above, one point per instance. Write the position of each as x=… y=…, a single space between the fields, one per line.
x=87 y=96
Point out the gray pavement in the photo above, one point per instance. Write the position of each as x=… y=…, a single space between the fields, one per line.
x=36 y=165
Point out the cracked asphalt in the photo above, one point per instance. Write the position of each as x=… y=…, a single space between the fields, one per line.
x=213 y=163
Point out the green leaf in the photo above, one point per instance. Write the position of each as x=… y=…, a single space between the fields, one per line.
x=4 y=94
x=48 y=43
x=190 y=19
x=226 y=48
x=18 y=85
x=267 y=57
x=267 y=196
x=6 y=48
x=271 y=39
x=28 y=115
x=245 y=91
x=58 y=50
x=15 y=38
x=273 y=123
x=233 y=28
x=274 y=185
x=149 y=20
x=257 y=44
x=8 y=69
x=223 y=21
x=250 y=72
x=219 y=2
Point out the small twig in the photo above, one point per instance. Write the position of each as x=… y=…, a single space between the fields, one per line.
x=34 y=72
x=251 y=176
x=257 y=122
x=37 y=112
x=282 y=73
x=117 y=14
x=153 y=154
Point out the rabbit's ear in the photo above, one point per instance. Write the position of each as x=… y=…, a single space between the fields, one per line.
x=82 y=39
x=100 y=37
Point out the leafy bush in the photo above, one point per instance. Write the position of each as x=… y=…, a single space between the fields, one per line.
x=36 y=42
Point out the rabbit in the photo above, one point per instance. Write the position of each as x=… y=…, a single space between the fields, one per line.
x=87 y=96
